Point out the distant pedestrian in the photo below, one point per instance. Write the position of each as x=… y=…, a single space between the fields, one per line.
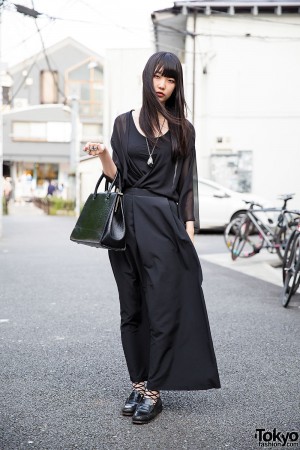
x=164 y=324
x=51 y=189
x=7 y=192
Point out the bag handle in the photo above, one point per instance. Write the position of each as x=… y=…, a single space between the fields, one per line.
x=108 y=186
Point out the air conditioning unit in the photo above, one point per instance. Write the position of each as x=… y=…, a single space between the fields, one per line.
x=20 y=103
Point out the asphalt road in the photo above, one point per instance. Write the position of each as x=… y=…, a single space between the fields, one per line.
x=63 y=374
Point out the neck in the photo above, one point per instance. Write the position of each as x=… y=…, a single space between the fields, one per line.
x=160 y=117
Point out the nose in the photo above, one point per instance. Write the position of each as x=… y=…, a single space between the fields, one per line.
x=162 y=83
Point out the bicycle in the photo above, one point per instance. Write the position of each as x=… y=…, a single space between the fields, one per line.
x=252 y=235
x=233 y=226
x=291 y=263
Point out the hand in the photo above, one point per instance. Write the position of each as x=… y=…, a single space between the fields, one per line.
x=189 y=226
x=94 y=148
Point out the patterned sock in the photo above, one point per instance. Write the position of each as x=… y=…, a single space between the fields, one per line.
x=140 y=387
x=153 y=395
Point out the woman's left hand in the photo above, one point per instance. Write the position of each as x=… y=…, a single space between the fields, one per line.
x=189 y=226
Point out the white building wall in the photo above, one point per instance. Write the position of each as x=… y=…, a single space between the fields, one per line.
x=250 y=94
x=123 y=83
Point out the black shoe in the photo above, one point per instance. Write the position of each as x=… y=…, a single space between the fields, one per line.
x=147 y=410
x=131 y=403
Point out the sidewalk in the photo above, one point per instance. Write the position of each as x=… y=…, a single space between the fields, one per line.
x=264 y=266
x=63 y=375
x=24 y=209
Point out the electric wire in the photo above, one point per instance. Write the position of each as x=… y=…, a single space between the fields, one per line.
x=23 y=81
x=48 y=62
x=51 y=21
x=34 y=62
x=173 y=30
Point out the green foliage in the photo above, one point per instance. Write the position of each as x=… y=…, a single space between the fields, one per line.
x=5 y=206
x=56 y=206
x=60 y=206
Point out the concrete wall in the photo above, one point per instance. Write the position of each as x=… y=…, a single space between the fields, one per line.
x=247 y=89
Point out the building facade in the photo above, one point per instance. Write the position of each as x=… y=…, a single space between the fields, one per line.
x=38 y=117
x=242 y=70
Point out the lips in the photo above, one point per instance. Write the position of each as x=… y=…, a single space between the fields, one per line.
x=160 y=94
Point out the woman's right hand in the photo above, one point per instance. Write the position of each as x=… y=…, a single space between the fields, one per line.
x=94 y=148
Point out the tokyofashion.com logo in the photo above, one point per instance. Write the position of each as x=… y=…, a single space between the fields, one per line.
x=274 y=438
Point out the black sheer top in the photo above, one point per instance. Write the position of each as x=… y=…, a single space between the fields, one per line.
x=176 y=180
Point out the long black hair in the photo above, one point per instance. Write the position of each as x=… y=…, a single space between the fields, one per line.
x=174 y=110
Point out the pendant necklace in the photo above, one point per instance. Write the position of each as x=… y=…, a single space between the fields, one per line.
x=150 y=159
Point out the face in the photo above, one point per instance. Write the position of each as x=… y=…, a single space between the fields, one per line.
x=163 y=86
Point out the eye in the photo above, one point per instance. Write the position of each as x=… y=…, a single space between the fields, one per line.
x=171 y=80
x=156 y=75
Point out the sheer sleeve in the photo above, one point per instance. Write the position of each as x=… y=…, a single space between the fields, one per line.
x=114 y=146
x=188 y=186
x=118 y=144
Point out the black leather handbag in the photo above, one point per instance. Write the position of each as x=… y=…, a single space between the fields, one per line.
x=101 y=222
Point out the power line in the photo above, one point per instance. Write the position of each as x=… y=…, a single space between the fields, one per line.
x=47 y=60
x=172 y=30
x=23 y=41
x=24 y=80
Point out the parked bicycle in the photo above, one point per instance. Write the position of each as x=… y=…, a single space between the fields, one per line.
x=291 y=262
x=249 y=234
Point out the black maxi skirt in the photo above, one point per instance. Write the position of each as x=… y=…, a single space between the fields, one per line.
x=165 y=330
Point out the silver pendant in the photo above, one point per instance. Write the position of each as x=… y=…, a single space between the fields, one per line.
x=150 y=161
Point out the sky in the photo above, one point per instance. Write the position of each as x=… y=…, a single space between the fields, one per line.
x=98 y=24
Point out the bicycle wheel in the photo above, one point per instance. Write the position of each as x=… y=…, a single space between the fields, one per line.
x=244 y=244
x=281 y=238
x=231 y=231
x=287 y=254
x=292 y=277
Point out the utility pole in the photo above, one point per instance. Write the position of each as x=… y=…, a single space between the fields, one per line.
x=1 y=127
x=75 y=150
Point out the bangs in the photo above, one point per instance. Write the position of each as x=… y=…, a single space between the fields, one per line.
x=167 y=67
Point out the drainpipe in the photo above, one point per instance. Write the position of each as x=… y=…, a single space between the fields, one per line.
x=194 y=65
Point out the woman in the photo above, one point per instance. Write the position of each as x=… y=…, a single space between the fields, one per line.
x=164 y=325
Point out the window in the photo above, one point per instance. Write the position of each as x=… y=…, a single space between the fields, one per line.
x=29 y=131
x=233 y=170
x=49 y=86
x=86 y=81
x=41 y=131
